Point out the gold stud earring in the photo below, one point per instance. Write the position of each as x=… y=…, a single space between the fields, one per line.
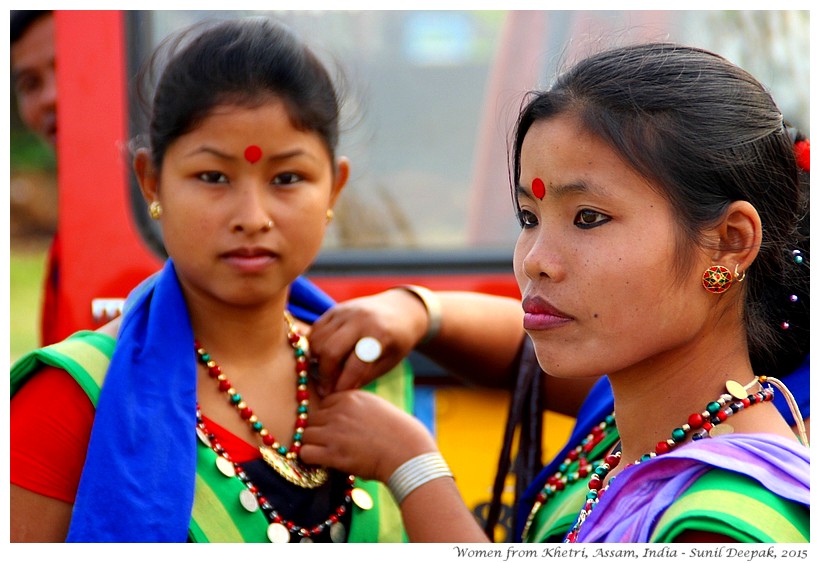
x=155 y=210
x=329 y=215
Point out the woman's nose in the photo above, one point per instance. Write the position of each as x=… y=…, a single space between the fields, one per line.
x=252 y=213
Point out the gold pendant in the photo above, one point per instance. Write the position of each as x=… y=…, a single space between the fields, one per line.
x=305 y=476
x=720 y=430
x=737 y=390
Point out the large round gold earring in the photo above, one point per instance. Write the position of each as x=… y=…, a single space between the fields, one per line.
x=717 y=279
x=155 y=210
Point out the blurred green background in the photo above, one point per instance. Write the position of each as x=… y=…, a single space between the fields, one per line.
x=27 y=267
x=33 y=219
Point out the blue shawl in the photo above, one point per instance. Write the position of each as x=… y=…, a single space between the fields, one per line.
x=137 y=484
x=598 y=404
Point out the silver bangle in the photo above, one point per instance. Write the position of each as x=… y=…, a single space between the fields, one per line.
x=432 y=304
x=415 y=472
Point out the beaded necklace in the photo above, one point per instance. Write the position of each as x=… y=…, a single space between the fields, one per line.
x=284 y=460
x=708 y=423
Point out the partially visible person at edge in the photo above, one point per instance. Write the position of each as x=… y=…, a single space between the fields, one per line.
x=643 y=180
x=195 y=434
x=35 y=87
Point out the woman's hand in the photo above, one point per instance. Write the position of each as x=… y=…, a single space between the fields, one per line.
x=360 y=433
x=396 y=318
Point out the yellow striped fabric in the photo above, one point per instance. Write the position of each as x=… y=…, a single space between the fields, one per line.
x=734 y=505
x=85 y=355
x=218 y=516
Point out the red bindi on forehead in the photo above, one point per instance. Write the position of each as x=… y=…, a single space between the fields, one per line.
x=538 y=188
x=253 y=153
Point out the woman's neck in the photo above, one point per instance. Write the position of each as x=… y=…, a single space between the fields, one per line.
x=658 y=395
x=239 y=334
x=252 y=350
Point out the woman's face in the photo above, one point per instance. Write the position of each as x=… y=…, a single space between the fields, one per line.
x=595 y=260
x=221 y=186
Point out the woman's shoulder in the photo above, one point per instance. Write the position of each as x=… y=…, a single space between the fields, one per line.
x=736 y=506
x=84 y=356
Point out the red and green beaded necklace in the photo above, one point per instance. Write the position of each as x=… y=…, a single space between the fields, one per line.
x=284 y=460
x=708 y=423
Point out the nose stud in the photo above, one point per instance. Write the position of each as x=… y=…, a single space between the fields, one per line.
x=241 y=227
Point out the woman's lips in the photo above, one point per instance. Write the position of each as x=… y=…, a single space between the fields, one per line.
x=249 y=260
x=534 y=321
x=539 y=314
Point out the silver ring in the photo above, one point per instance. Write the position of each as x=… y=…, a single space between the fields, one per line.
x=368 y=349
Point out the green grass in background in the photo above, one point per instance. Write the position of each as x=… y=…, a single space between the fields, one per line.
x=26 y=271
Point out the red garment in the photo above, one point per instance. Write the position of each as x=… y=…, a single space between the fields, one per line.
x=53 y=405
x=50 y=419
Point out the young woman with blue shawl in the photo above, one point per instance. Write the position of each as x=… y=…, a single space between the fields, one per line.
x=183 y=420
x=664 y=211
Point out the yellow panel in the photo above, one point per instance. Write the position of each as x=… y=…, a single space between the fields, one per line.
x=469 y=430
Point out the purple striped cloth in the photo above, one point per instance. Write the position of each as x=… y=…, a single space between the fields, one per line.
x=635 y=501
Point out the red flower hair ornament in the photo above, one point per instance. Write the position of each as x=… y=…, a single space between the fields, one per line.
x=801 y=153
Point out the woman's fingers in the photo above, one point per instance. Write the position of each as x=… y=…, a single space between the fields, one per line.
x=389 y=318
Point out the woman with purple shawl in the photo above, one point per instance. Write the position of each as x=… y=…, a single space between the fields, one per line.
x=663 y=205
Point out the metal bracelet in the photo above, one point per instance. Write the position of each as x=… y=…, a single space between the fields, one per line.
x=432 y=304
x=415 y=472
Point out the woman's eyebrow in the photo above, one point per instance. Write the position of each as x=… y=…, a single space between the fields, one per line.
x=558 y=191
x=225 y=156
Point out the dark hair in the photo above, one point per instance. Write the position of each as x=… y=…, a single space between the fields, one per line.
x=707 y=133
x=21 y=20
x=244 y=62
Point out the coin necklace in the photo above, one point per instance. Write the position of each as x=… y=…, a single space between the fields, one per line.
x=280 y=529
x=284 y=460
